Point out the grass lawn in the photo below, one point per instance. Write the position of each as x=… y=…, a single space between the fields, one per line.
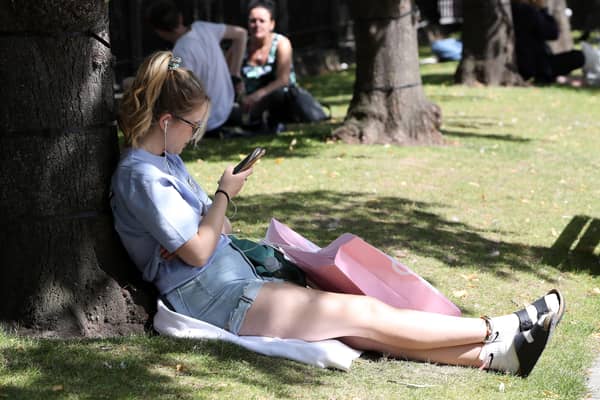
x=488 y=219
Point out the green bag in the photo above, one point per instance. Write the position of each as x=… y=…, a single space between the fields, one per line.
x=269 y=262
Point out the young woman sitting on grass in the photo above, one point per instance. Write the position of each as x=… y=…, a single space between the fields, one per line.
x=177 y=237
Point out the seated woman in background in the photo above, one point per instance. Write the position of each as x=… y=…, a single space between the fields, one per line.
x=267 y=69
x=268 y=75
x=177 y=236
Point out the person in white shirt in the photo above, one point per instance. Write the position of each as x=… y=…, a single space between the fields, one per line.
x=199 y=46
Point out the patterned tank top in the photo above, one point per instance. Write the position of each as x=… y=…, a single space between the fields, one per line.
x=257 y=76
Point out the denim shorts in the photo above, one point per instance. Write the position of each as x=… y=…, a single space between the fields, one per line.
x=222 y=292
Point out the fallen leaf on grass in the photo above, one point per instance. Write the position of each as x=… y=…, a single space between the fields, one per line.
x=550 y=394
x=58 y=388
x=179 y=367
x=470 y=277
x=459 y=293
x=494 y=253
x=278 y=160
x=595 y=292
x=400 y=253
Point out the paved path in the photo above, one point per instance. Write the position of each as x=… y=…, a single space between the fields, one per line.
x=594 y=381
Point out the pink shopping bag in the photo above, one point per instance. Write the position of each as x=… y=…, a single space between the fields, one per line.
x=351 y=265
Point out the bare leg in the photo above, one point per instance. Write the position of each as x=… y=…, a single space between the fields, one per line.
x=289 y=311
x=466 y=355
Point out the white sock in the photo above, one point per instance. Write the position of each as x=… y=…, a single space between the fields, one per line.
x=504 y=327
x=501 y=355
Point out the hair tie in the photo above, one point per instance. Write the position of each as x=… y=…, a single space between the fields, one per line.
x=174 y=63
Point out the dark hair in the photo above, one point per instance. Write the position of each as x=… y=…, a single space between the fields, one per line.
x=268 y=5
x=163 y=15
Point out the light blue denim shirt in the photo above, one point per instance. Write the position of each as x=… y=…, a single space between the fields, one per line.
x=155 y=202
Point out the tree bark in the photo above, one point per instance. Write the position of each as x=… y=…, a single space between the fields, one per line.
x=63 y=270
x=488 y=44
x=388 y=104
x=557 y=8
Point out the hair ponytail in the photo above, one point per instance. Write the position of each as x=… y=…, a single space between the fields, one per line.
x=157 y=89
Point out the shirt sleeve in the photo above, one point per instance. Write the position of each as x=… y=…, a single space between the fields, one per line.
x=163 y=211
x=215 y=29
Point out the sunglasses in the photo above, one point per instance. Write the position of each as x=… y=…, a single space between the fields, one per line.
x=197 y=128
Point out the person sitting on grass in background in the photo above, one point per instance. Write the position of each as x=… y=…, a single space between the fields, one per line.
x=177 y=236
x=267 y=68
x=199 y=46
x=272 y=96
x=533 y=27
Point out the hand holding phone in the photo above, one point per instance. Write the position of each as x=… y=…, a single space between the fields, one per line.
x=250 y=159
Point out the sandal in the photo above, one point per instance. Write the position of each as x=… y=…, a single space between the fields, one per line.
x=525 y=321
x=530 y=345
x=520 y=356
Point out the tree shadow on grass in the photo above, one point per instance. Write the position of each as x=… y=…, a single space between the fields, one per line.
x=486 y=136
x=141 y=367
x=575 y=249
x=395 y=223
x=391 y=224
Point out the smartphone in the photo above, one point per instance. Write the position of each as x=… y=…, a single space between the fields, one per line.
x=250 y=159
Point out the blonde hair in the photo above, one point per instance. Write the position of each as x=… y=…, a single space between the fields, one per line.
x=158 y=89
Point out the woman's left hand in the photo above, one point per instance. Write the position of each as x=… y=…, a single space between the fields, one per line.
x=232 y=183
x=250 y=101
x=165 y=254
x=239 y=88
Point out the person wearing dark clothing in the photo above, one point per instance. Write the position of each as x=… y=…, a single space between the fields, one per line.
x=533 y=27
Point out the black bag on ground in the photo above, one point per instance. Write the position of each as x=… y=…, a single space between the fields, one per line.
x=304 y=107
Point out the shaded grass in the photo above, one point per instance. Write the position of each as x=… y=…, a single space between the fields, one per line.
x=479 y=218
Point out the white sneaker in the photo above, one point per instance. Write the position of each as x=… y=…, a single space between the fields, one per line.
x=506 y=327
x=519 y=356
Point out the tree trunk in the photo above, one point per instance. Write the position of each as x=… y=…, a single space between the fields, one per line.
x=63 y=270
x=565 y=41
x=388 y=104
x=488 y=44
